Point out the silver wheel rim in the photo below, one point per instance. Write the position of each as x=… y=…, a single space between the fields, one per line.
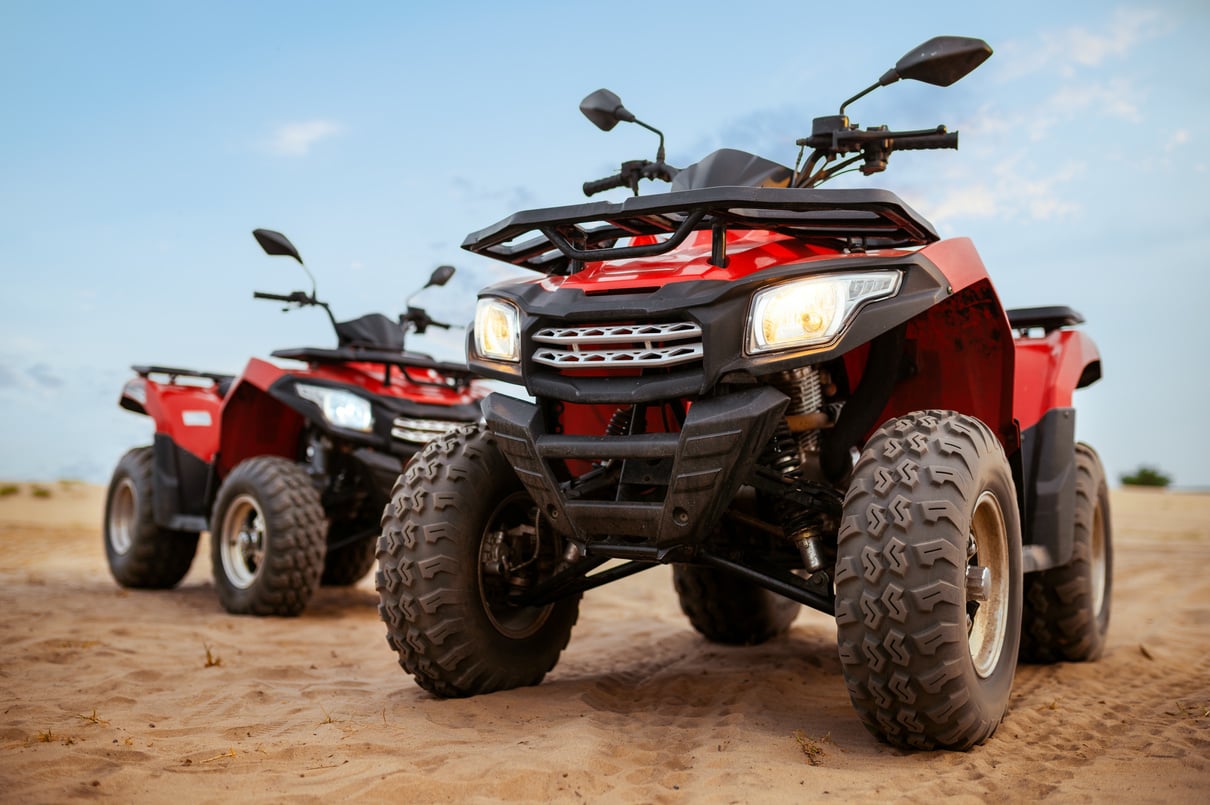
x=122 y=508
x=1098 y=560
x=988 y=619
x=242 y=541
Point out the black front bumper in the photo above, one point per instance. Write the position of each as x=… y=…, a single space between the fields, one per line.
x=699 y=470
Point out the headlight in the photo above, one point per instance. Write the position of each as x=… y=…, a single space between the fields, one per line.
x=812 y=311
x=497 y=330
x=341 y=408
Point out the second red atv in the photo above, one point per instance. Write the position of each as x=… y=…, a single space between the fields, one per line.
x=792 y=395
x=287 y=466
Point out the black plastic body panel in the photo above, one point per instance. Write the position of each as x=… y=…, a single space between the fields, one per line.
x=1048 y=453
x=720 y=308
x=180 y=482
x=385 y=410
x=699 y=469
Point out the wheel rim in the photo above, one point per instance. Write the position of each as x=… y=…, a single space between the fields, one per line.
x=122 y=517
x=987 y=611
x=1099 y=560
x=511 y=557
x=242 y=541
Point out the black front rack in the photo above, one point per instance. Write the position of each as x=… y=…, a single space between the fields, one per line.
x=570 y=236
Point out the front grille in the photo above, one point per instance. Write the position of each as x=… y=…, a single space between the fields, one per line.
x=420 y=431
x=619 y=345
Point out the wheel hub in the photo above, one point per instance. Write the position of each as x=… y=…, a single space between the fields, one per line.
x=122 y=517
x=987 y=584
x=243 y=541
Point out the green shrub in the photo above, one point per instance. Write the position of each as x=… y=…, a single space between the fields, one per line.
x=1147 y=476
x=9 y=489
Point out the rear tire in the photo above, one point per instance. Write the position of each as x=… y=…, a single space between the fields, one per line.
x=459 y=532
x=140 y=553
x=268 y=538
x=929 y=655
x=349 y=563
x=727 y=609
x=1067 y=608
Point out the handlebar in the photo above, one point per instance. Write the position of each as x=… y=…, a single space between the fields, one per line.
x=833 y=138
x=601 y=185
x=294 y=296
x=924 y=142
x=632 y=171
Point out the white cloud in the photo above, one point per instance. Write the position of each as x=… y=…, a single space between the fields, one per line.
x=1065 y=51
x=1179 y=137
x=1008 y=193
x=296 y=139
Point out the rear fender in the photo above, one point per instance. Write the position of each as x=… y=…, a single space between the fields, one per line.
x=186 y=414
x=1049 y=369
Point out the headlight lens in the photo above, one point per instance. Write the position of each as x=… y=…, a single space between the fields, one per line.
x=812 y=311
x=341 y=408
x=497 y=330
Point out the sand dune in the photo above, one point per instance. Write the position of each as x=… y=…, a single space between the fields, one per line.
x=151 y=696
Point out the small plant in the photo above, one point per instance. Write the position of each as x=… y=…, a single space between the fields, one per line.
x=1147 y=476
x=812 y=747
x=93 y=718
x=212 y=660
x=9 y=489
x=39 y=491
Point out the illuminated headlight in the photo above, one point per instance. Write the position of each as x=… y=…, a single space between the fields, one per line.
x=341 y=408
x=812 y=311
x=497 y=330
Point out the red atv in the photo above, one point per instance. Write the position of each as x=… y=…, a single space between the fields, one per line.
x=792 y=396
x=287 y=468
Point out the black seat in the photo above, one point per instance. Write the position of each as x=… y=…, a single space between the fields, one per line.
x=1048 y=318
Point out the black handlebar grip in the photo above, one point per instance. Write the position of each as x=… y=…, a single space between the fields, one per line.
x=601 y=185
x=923 y=142
x=276 y=297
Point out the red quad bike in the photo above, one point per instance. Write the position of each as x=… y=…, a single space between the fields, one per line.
x=791 y=395
x=287 y=468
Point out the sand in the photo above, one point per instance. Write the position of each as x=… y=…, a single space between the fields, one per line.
x=134 y=696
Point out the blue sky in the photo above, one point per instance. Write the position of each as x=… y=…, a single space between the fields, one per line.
x=141 y=143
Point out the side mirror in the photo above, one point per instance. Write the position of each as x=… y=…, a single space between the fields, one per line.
x=441 y=275
x=275 y=243
x=940 y=61
x=605 y=110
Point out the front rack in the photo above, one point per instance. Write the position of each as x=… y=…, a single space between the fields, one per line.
x=570 y=236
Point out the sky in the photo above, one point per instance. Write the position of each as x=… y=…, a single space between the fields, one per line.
x=142 y=142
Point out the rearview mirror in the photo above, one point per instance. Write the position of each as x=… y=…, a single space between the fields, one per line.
x=605 y=110
x=940 y=61
x=441 y=275
x=275 y=243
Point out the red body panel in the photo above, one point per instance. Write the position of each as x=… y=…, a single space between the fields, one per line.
x=249 y=421
x=1048 y=370
x=188 y=414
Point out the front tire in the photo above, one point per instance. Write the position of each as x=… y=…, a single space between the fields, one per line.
x=1067 y=608
x=928 y=583
x=140 y=553
x=459 y=533
x=268 y=537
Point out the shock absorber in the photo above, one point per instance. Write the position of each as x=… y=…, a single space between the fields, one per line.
x=795 y=449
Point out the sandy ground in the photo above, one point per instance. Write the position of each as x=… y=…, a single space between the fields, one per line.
x=149 y=697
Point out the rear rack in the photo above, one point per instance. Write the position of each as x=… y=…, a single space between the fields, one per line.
x=570 y=236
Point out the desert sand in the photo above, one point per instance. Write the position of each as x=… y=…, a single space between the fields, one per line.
x=132 y=696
